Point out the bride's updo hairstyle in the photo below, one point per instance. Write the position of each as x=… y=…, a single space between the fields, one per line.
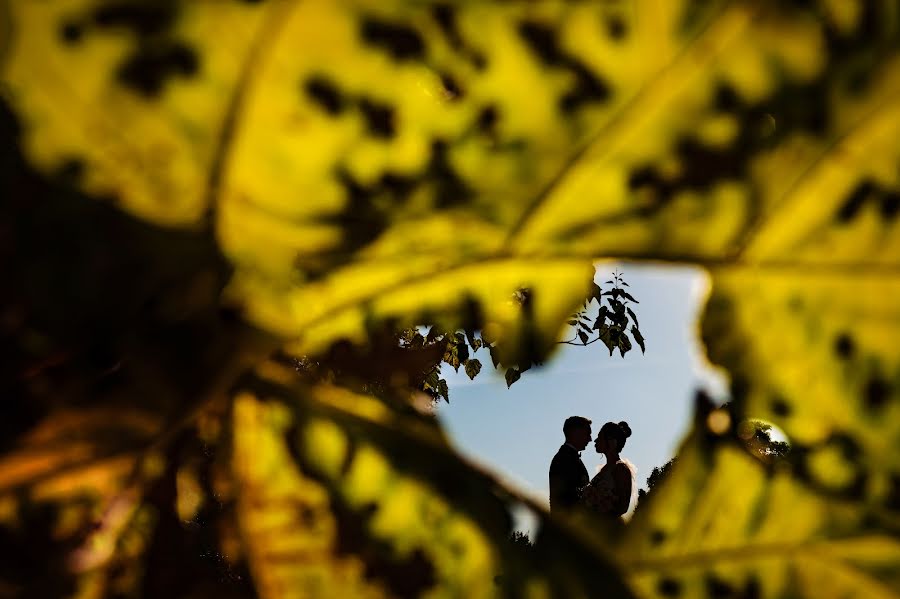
x=618 y=432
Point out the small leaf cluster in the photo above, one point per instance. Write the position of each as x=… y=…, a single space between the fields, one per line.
x=613 y=321
x=456 y=346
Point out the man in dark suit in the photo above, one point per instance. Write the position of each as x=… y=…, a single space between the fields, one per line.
x=567 y=472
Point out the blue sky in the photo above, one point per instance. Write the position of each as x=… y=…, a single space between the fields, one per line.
x=515 y=432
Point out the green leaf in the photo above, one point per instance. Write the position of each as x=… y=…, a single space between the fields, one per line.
x=596 y=293
x=443 y=390
x=473 y=367
x=624 y=344
x=462 y=353
x=474 y=342
x=633 y=317
x=432 y=380
x=583 y=336
x=638 y=338
x=617 y=306
x=607 y=335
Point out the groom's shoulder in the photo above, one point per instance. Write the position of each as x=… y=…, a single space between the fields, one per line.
x=558 y=455
x=564 y=454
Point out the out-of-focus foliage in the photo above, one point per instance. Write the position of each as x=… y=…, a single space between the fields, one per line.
x=325 y=171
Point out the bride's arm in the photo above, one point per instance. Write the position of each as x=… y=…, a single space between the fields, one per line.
x=623 y=479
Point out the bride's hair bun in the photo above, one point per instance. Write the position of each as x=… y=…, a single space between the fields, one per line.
x=626 y=430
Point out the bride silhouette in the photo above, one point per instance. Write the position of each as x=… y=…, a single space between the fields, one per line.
x=610 y=491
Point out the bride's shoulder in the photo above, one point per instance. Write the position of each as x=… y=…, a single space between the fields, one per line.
x=624 y=465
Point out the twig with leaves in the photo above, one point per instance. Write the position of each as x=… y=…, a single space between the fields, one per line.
x=611 y=325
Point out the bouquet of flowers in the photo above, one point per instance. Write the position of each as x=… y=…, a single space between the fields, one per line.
x=597 y=496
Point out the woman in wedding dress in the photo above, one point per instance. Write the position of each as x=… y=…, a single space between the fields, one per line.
x=610 y=491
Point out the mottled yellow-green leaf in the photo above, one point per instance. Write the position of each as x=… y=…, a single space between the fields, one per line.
x=815 y=353
x=82 y=75
x=581 y=129
x=724 y=522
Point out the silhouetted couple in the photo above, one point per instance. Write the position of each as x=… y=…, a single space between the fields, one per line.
x=609 y=492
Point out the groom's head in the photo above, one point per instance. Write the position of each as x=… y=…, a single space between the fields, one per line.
x=577 y=430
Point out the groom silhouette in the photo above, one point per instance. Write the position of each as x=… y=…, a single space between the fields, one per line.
x=567 y=472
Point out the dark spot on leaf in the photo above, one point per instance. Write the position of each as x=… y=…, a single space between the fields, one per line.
x=588 y=86
x=487 y=119
x=858 y=79
x=453 y=88
x=854 y=47
x=325 y=94
x=542 y=41
x=143 y=18
x=147 y=71
x=657 y=536
x=718 y=588
x=849 y=450
x=445 y=15
x=843 y=346
x=848 y=446
x=643 y=177
x=399 y=186
x=780 y=407
x=877 y=392
x=71 y=32
x=890 y=206
x=400 y=41
x=705 y=166
x=478 y=60
x=726 y=98
x=451 y=189
x=893 y=499
x=668 y=587
x=71 y=170
x=379 y=118
x=360 y=219
x=854 y=202
x=616 y=27
x=702 y=168
x=752 y=590
x=307 y=516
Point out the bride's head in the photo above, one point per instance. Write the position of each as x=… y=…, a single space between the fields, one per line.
x=612 y=436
